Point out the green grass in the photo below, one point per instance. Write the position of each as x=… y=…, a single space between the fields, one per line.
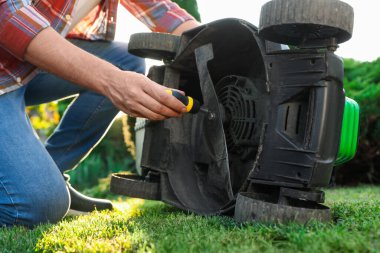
x=150 y=226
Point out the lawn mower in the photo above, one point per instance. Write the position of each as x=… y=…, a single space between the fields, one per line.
x=278 y=118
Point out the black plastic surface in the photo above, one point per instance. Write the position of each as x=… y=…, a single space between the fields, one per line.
x=278 y=116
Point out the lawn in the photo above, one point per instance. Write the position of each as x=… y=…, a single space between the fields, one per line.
x=148 y=226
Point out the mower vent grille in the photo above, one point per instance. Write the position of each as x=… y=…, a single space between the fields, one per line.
x=238 y=107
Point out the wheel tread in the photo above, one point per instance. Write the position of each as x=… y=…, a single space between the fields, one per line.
x=249 y=209
x=333 y=17
x=159 y=46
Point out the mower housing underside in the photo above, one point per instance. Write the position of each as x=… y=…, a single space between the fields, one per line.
x=276 y=125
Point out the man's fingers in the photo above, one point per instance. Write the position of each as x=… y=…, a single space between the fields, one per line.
x=144 y=112
x=145 y=98
x=159 y=93
x=157 y=107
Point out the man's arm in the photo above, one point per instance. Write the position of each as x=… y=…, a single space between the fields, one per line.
x=185 y=26
x=132 y=93
x=20 y=22
x=161 y=15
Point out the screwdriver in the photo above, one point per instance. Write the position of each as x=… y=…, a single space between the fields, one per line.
x=192 y=105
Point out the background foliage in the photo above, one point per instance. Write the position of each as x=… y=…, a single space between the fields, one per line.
x=191 y=6
x=362 y=83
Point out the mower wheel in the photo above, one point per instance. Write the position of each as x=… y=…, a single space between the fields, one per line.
x=248 y=208
x=134 y=186
x=299 y=22
x=158 y=46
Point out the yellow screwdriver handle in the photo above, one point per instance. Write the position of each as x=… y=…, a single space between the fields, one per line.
x=192 y=105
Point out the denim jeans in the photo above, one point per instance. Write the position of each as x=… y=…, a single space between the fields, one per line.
x=32 y=188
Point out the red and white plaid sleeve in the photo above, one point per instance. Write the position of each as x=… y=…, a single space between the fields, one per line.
x=158 y=15
x=19 y=24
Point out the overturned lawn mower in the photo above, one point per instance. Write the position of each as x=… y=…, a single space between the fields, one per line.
x=280 y=123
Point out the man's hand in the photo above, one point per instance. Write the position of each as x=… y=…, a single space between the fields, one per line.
x=132 y=93
x=143 y=98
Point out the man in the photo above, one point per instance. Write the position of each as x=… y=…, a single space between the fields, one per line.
x=38 y=65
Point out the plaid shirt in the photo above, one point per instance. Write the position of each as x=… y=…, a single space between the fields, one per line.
x=22 y=20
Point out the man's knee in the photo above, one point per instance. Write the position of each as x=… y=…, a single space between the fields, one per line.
x=48 y=206
x=36 y=207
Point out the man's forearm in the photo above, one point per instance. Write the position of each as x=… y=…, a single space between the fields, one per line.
x=185 y=26
x=51 y=52
x=133 y=93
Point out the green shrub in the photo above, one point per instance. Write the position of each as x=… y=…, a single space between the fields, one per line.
x=362 y=83
x=44 y=118
x=190 y=6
